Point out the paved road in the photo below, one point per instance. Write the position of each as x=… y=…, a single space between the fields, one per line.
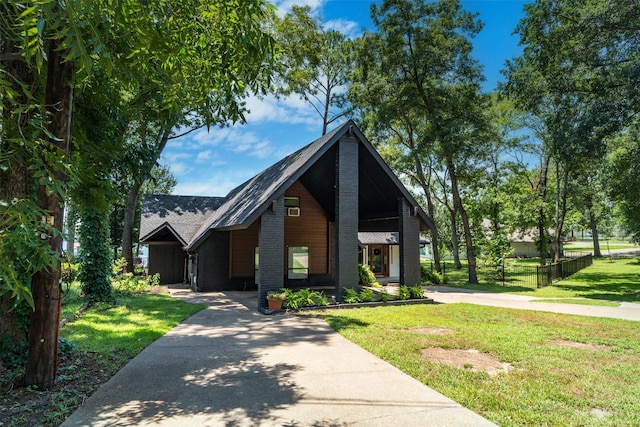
x=443 y=294
x=231 y=366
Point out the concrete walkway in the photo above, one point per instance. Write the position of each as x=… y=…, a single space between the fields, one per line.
x=228 y=365
x=443 y=294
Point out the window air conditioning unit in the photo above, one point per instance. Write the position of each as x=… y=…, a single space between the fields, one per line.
x=293 y=211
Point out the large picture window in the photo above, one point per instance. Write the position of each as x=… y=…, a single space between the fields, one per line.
x=298 y=262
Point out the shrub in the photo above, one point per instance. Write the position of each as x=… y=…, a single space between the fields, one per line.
x=351 y=296
x=304 y=298
x=365 y=275
x=403 y=292
x=319 y=298
x=429 y=276
x=69 y=272
x=415 y=292
x=128 y=282
x=385 y=296
x=367 y=295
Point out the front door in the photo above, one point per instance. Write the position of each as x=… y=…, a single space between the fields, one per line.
x=379 y=259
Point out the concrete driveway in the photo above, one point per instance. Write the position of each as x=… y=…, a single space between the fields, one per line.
x=443 y=294
x=228 y=365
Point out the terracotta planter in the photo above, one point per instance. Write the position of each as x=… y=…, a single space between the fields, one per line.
x=275 y=304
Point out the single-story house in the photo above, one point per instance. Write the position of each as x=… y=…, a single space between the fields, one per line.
x=294 y=224
x=524 y=243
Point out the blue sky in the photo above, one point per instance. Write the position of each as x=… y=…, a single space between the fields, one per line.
x=210 y=163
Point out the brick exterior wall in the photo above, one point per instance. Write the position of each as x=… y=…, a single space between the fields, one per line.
x=271 y=250
x=213 y=263
x=346 y=224
x=409 y=240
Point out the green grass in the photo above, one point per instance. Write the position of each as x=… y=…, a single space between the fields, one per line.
x=587 y=244
x=606 y=280
x=130 y=326
x=550 y=384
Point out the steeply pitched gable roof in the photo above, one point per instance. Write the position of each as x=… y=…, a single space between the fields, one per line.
x=249 y=200
x=245 y=203
x=182 y=216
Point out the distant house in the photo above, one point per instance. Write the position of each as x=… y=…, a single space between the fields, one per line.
x=294 y=224
x=524 y=243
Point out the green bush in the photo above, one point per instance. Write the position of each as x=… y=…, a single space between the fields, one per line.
x=128 y=282
x=69 y=272
x=403 y=292
x=385 y=296
x=367 y=295
x=415 y=292
x=351 y=296
x=429 y=276
x=365 y=275
x=304 y=298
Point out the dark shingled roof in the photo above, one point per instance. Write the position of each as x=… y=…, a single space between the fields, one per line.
x=181 y=215
x=249 y=200
x=191 y=218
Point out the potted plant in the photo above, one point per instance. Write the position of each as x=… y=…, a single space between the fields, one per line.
x=275 y=299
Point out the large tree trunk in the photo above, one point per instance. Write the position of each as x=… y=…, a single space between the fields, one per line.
x=132 y=199
x=45 y=285
x=15 y=181
x=455 y=243
x=457 y=203
x=129 y=223
x=434 y=234
x=424 y=183
x=541 y=193
x=594 y=234
x=561 y=211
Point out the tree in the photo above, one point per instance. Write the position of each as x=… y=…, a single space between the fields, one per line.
x=186 y=86
x=421 y=58
x=48 y=49
x=579 y=74
x=624 y=178
x=315 y=64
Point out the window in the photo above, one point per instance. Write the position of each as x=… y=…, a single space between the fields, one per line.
x=291 y=202
x=298 y=262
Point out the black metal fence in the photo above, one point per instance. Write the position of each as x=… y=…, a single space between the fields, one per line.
x=528 y=276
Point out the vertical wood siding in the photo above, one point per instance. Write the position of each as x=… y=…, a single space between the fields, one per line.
x=310 y=229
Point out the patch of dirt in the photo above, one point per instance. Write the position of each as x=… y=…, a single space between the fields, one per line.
x=432 y=331
x=471 y=360
x=574 y=344
x=79 y=375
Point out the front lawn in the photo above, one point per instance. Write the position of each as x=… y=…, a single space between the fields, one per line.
x=514 y=367
x=94 y=347
x=604 y=281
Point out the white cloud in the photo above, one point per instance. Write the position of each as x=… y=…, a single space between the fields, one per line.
x=289 y=110
x=284 y=6
x=218 y=184
x=350 y=29
x=178 y=168
x=206 y=137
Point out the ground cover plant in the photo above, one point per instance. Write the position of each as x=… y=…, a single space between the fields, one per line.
x=93 y=347
x=514 y=367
